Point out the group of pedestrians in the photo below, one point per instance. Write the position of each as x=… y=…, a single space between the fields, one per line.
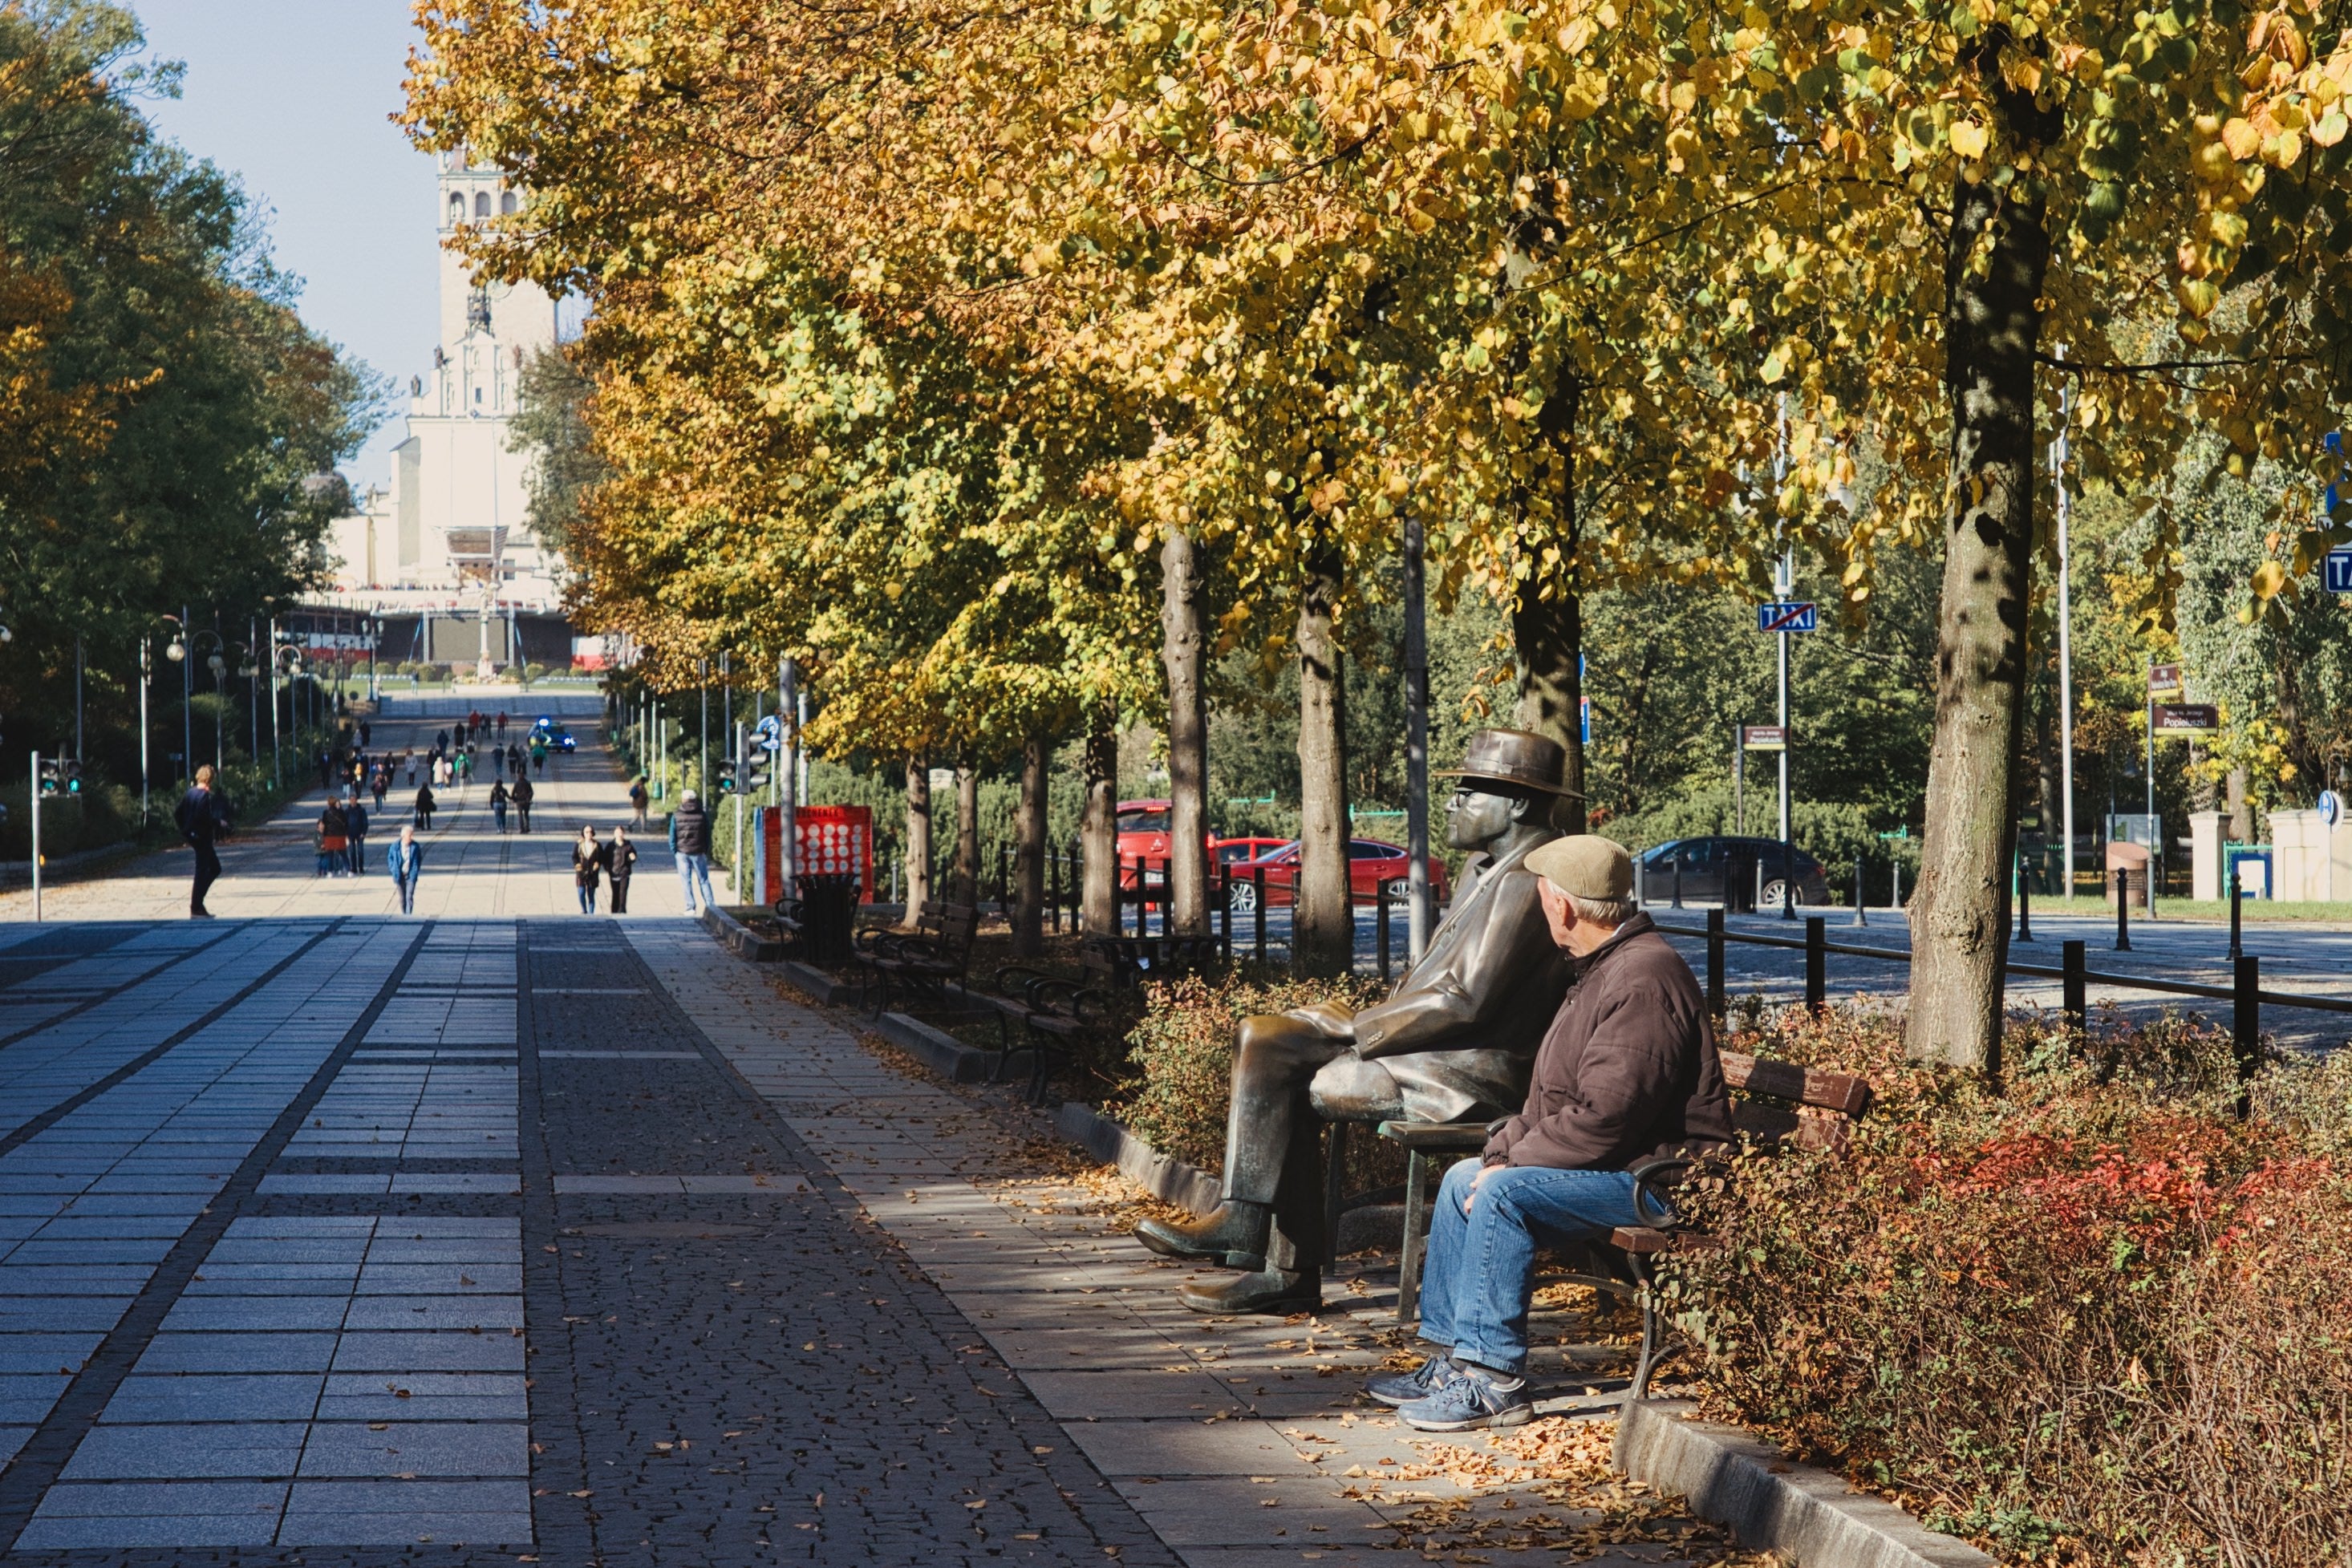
x=341 y=836
x=594 y=861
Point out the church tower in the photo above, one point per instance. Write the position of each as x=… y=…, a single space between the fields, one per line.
x=459 y=498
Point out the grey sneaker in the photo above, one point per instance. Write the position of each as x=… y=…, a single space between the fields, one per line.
x=1471 y=1398
x=1405 y=1387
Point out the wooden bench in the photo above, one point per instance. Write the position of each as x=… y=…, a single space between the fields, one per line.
x=937 y=952
x=1774 y=1104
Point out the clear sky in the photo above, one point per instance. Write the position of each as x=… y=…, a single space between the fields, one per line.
x=294 y=96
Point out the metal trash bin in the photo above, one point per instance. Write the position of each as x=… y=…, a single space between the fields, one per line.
x=828 y=915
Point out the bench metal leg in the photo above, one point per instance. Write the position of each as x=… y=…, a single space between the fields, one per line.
x=1651 y=1348
x=1409 y=1256
x=1335 y=1182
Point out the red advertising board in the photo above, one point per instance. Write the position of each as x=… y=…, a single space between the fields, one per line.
x=832 y=838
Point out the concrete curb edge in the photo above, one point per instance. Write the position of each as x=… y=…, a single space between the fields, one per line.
x=936 y=1048
x=1167 y=1179
x=819 y=984
x=739 y=938
x=1808 y=1515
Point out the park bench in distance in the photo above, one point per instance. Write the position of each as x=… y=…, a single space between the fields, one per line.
x=937 y=952
x=1054 y=1011
x=1774 y=1104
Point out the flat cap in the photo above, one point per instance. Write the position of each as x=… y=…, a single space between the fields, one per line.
x=1585 y=866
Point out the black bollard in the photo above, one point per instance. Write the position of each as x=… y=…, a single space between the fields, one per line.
x=1257 y=884
x=2246 y=1020
x=1817 y=959
x=2237 y=949
x=1859 y=917
x=1715 y=998
x=1381 y=919
x=2122 y=910
x=2024 y=904
x=1678 y=876
x=1225 y=914
x=1788 y=880
x=2072 y=986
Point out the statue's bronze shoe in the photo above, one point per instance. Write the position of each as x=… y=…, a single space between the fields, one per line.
x=1279 y=1291
x=1233 y=1234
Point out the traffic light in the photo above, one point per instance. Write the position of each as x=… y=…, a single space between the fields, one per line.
x=48 y=774
x=70 y=775
x=727 y=776
x=60 y=775
x=755 y=775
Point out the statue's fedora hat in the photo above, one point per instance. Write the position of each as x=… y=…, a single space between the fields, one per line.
x=1517 y=756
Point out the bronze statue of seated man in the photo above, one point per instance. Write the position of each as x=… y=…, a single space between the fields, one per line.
x=1454 y=1042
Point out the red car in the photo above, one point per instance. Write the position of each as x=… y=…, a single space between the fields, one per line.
x=1371 y=863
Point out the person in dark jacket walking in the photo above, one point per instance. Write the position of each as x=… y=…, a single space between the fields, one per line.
x=620 y=864
x=522 y=793
x=202 y=819
x=355 y=825
x=1628 y=1072
x=690 y=843
x=588 y=859
x=499 y=802
x=425 y=807
x=333 y=835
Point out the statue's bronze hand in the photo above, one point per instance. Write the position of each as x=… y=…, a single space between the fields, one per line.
x=1333 y=1020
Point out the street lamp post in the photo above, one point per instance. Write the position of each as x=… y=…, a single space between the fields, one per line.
x=176 y=650
x=145 y=675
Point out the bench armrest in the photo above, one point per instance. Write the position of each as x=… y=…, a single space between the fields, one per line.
x=1442 y=1137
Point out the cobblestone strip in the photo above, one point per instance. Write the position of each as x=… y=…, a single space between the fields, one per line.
x=183 y=1146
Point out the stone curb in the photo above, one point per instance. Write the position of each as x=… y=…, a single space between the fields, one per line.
x=1806 y=1514
x=820 y=986
x=940 y=1052
x=739 y=938
x=1165 y=1178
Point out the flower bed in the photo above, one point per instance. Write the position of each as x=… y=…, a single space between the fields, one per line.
x=2088 y=1314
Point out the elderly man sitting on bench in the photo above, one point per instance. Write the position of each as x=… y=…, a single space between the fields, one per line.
x=1627 y=1071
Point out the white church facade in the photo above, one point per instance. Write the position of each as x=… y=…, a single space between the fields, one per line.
x=450 y=532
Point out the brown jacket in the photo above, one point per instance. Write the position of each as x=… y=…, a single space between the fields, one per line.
x=1628 y=1068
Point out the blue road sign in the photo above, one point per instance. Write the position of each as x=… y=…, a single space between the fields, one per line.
x=1792 y=617
x=2339 y=571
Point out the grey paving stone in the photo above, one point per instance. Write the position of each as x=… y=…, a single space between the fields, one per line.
x=62 y=1313
x=253 y=1396
x=389 y=1352
x=1207 y=1512
x=60 y=1534
x=12 y=1439
x=440 y=1279
x=1163 y=1448
x=176 y=1453
x=307 y=1529
x=194 y=1314
x=417 y=1449
x=237 y=1353
x=460 y=1311
x=162 y=1500
x=1076 y=1396
x=28 y=1396
x=365 y=1497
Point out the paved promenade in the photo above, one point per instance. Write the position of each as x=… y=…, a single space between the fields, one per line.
x=508 y=1234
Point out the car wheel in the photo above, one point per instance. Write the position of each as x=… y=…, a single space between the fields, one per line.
x=1400 y=887
x=1244 y=898
x=1769 y=900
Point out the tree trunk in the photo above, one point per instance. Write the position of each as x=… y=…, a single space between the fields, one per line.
x=1960 y=914
x=1547 y=628
x=1323 y=921
x=1029 y=909
x=1182 y=650
x=1099 y=824
x=2241 y=816
x=918 y=835
x=966 y=885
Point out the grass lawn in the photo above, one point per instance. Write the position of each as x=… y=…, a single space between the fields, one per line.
x=2252 y=910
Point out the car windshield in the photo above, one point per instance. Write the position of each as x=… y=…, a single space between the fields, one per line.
x=1372 y=849
x=1143 y=821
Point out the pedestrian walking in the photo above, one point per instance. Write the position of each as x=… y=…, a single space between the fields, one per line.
x=355 y=825
x=363 y=732
x=499 y=804
x=404 y=859
x=689 y=846
x=411 y=767
x=539 y=757
x=425 y=807
x=637 y=800
x=202 y=818
x=514 y=759
x=497 y=762
x=333 y=838
x=326 y=768
x=587 y=865
x=502 y=724
x=522 y=794
x=440 y=740
x=620 y=864
x=380 y=784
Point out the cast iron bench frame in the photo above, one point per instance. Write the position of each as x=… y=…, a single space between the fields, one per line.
x=937 y=951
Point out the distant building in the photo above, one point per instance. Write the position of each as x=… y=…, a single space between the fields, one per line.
x=452 y=527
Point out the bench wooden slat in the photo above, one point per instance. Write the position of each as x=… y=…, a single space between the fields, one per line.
x=1642 y=1239
x=1839 y=1091
x=1458 y=1137
x=1783 y=1125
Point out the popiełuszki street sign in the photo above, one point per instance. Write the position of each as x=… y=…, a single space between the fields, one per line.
x=1790 y=617
x=2187 y=718
x=1763 y=738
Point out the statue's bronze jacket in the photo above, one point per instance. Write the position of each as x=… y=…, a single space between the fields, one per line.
x=1459 y=1033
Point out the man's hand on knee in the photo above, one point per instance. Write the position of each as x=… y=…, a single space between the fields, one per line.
x=1333 y=1020
x=1470 y=1198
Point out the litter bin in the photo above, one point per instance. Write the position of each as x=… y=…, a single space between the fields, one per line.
x=828 y=915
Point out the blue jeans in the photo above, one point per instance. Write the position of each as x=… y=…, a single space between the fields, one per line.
x=1481 y=1264
x=408 y=895
x=693 y=869
x=587 y=898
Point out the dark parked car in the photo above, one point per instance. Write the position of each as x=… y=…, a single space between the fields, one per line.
x=1738 y=873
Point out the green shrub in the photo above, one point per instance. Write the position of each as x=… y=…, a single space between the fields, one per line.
x=1180 y=1058
x=533 y=672
x=2085 y=1315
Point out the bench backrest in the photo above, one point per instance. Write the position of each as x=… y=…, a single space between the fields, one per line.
x=955 y=925
x=1780 y=1100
